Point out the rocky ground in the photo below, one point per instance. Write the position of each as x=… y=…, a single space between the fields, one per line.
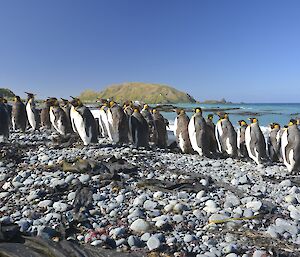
x=148 y=202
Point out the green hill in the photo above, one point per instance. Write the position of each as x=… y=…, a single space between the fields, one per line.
x=7 y=93
x=148 y=93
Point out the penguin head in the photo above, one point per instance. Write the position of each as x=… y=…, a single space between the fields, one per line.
x=177 y=110
x=76 y=102
x=253 y=120
x=242 y=123
x=276 y=125
x=210 y=116
x=198 y=110
x=154 y=111
x=182 y=112
x=146 y=106
x=64 y=101
x=17 y=98
x=111 y=103
x=52 y=101
x=223 y=115
x=30 y=95
x=136 y=110
x=292 y=122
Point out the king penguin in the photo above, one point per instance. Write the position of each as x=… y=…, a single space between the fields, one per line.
x=128 y=110
x=45 y=115
x=274 y=142
x=242 y=149
x=83 y=122
x=149 y=118
x=226 y=136
x=198 y=133
x=32 y=112
x=181 y=131
x=66 y=107
x=58 y=117
x=212 y=141
x=290 y=146
x=255 y=142
x=140 y=130
x=118 y=123
x=103 y=121
x=160 y=129
x=4 y=118
x=19 y=115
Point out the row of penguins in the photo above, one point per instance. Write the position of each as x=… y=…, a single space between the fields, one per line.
x=206 y=138
x=120 y=124
x=130 y=123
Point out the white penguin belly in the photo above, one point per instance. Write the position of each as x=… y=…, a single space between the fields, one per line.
x=31 y=116
x=80 y=128
x=248 y=142
x=219 y=133
x=239 y=138
x=193 y=137
x=102 y=117
x=175 y=127
x=181 y=142
x=110 y=126
x=284 y=143
x=13 y=123
x=291 y=160
x=229 y=147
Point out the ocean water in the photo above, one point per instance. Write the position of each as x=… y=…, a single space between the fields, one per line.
x=266 y=113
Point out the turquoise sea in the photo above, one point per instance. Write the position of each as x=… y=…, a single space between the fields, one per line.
x=266 y=113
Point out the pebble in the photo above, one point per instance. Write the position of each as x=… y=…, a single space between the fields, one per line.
x=120 y=198
x=188 y=238
x=140 y=226
x=45 y=203
x=153 y=243
x=84 y=178
x=254 y=206
x=149 y=205
x=134 y=241
x=179 y=208
x=259 y=253
x=60 y=207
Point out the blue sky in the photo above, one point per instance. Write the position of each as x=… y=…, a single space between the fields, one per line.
x=240 y=50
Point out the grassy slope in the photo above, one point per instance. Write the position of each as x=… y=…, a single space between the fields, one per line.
x=149 y=93
x=7 y=93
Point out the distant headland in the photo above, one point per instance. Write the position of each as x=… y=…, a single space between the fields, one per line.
x=144 y=92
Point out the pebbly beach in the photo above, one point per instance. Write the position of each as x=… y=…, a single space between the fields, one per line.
x=144 y=202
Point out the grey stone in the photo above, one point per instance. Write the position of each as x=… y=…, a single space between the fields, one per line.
x=140 y=226
x=83 y=178
x=45 y=203
x=60 y=207
x=254 y=205
x=259 y=253
x=149 y=205
x=153 y=243
x=188 y=238
x=133 y=241
x=145 y=237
